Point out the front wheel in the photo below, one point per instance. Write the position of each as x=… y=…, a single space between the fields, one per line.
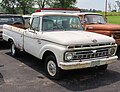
x=14 y=51
x=51 y=68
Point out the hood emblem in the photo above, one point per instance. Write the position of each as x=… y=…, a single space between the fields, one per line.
x=94 y=41
x=94 y=51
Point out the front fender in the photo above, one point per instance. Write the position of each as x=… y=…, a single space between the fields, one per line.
x=56 y=49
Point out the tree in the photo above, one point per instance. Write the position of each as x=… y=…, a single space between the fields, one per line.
x=109 y=6
x=9 y=5
x=55 y=3
x=25 y=5
x=39 y=3
x=61 y=3
x=115 y=8
x=14 y=6
x=118 y=4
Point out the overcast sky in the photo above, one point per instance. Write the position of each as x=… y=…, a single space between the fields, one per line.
x=94 y=4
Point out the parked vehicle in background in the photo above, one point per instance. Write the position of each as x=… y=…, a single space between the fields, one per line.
x=58 y=40
x=95 y=22
x=11 y=20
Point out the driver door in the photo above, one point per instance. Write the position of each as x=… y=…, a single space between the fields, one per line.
x=32 y=38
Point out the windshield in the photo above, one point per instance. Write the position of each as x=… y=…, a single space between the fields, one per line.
x=10 y=20
x=94 y=19
x=58 y=23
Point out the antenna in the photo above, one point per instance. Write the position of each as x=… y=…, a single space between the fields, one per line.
x=106 y=9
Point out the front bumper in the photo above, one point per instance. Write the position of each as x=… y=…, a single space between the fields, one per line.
x=88 y=63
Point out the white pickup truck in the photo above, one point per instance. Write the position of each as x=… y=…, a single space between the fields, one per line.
x=58 y=40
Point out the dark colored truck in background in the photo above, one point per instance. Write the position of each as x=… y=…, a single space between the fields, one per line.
x=10 y=19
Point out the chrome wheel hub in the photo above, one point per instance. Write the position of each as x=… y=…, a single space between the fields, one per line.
x=51 y=67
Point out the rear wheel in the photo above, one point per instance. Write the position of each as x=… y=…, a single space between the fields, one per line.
x=51 y=68
x=14 y=51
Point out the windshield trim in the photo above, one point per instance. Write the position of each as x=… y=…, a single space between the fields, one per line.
x=63 y=29
x=104 y=22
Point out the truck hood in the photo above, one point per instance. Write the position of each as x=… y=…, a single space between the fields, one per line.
x=75 y=37
x=112 y=27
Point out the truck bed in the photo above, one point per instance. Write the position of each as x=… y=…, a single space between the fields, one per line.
x=19 y=25
x=11 y=32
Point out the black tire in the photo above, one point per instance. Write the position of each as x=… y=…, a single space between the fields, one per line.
x=55 y=72
x=102 y=67
x=15 y=52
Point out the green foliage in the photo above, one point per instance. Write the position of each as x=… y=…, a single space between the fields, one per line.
x=61 y=3
x=39 y=3
x=25 y=5
x=111 y=13
x=16 y=6
x=9 y=5
x=113 y=19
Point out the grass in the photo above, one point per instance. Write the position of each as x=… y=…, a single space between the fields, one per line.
x=113 y=19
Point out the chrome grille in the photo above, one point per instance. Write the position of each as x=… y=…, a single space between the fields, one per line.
x=89 y=54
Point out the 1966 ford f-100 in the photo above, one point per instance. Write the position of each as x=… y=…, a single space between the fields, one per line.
x=58 y=40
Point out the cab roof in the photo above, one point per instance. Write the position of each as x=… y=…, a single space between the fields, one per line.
x=52 y=13
x=63 y=10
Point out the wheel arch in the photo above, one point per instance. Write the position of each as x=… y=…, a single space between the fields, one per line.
x=10 y=40
x=47 y=53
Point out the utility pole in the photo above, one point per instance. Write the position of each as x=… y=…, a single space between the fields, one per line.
x=106 y=9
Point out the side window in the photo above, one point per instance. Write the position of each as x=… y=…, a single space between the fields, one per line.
x=36 y=24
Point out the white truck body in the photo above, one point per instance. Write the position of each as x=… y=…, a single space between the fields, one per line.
x=72 y=49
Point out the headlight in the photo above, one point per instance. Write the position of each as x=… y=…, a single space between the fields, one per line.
x=68 y=56
x=112 y=51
